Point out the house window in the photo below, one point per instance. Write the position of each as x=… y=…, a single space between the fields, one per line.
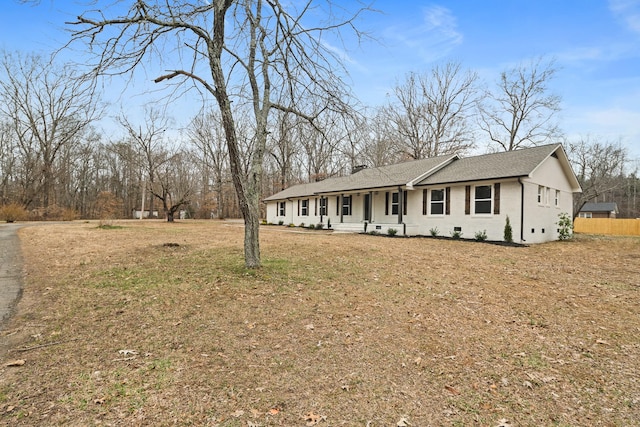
x=346 y=205
x=304 y=207
x=437 y=202
x=282 y=208
x=557 y=199
x=483 y=199
x=394 y=201
x=547 y=196
x=585 y=215
x=540 y=194
x=395 y=197
x=323 y=206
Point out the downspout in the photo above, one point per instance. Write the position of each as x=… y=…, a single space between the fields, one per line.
x=521 y=210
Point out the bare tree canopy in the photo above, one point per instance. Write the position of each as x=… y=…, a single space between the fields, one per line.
x=49 y=108
x=264 y=54
x=430 y=113
x=520 y=111
x=599 y=167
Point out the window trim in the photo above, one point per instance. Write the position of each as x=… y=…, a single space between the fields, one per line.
x=395 y=203
x=324 y=205
x=490 y=200
x=346 y=203
x=442 y=202
x=540 y=195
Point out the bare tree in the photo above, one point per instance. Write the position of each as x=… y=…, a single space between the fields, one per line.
x=7 y=164
x=49 y=108
x=243 y=51
x=520 y=112
x=380 y=147
x=149 y=140
x=283 y=147
x=205 y=132
x=599 y=167
x=175 y=182
x=430 y=112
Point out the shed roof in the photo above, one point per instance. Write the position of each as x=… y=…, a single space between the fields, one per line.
x=600 y=207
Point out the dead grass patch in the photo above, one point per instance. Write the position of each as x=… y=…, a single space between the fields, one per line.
x=117 y=328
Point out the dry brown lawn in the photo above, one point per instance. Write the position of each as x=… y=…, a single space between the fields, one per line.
x=115 y=328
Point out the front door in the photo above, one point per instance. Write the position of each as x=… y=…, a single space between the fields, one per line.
x=367 y=207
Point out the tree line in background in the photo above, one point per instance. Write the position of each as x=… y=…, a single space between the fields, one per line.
x=55 y=164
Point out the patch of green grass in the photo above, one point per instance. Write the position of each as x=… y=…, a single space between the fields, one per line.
x=110 y=227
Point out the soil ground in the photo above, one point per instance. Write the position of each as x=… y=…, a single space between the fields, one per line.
x=150 y=323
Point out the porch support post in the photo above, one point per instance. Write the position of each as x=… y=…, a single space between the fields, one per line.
x=341 y=207
x=370 y=206
x=400 y=204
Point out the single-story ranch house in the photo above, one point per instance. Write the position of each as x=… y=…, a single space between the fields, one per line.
x=450 y=194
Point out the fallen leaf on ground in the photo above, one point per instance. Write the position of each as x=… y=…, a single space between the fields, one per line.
x=18 y=362
x=403 y=423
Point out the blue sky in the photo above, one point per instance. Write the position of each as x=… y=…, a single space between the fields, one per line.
x=595 y=43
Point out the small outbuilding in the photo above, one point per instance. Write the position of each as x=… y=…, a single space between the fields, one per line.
x=599 y=210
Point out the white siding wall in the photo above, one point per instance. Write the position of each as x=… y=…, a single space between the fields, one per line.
x=539 y=221
x=543 y=216
x=493 y=224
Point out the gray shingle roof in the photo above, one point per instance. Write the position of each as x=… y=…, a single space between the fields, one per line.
x=600 y=207
x=435 y=170
x=384 y=176
x=506 y=164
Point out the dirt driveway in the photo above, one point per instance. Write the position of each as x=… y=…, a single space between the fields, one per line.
x=10 y=270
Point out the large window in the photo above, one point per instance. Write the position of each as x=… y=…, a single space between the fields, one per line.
x=483 y=199
x=282 y=208
x=437 y=202
x=304 y=207
x=346 y=205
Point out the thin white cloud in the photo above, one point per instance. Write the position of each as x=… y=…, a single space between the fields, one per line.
x=435 y=37
x=628 y=11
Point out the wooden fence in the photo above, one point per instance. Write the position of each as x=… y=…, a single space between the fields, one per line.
x=625 y=227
